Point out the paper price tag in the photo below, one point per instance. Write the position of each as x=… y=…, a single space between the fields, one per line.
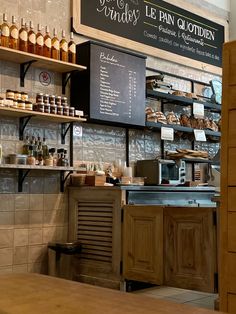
x=198 y=110
x=77 y=131
x=200 y=135
x=167 y=134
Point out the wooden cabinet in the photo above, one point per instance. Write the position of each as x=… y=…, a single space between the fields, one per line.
x=227 y=269
x=143 y=243
x=189 y=248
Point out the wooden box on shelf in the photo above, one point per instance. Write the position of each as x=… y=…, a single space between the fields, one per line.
x=94 y=180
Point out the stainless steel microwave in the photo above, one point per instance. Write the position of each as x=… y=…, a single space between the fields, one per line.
x=161 y=171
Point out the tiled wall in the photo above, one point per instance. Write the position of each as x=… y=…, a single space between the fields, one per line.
x=29 y=220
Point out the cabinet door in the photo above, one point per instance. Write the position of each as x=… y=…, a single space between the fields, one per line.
x=143 y=243
x=189 y=248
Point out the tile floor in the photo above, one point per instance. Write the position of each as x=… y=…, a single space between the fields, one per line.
x=190 y=297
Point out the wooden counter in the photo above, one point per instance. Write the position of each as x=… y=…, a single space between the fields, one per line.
x=33 y=293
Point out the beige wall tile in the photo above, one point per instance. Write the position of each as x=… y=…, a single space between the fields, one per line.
x=7 y=202
x=19 y=269
x=35 y=236
x=52 y=201
x=21 y=219
x=6 y=220
x=5 y=270
x=21 y=237
x=37 y=253
x=22 y=202
x=36 y=201
x=41 y=268
x=35 y=218
x=6 y=238
x=49 y=234
x=62 y=234
x=6 y=257
x=20 y=255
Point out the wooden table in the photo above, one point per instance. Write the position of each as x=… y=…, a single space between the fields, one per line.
x=33 y=293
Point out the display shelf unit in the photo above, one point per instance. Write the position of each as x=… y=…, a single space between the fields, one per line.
x=24 y=170
x=26 y=60
x=180 y=100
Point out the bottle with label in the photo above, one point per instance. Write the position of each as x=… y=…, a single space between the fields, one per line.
x=45 y=148
x=23 y=36
x=14 y=35
x=5 y=32
x=55 y=46
x=47 y=44
x=72 y=49
x=63 y=48
x=26 y=146
x=39 y=41
x=31 y=39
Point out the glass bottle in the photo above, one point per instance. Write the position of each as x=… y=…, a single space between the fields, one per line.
x=5 y=32
x=72 y=49
x=47 y=44
x=14 y=35
x=55 y=46
x=39 y=41
x=45 y=148
x=31 y=159
x=63 y=48
x=26 y=146
x=23 y=36
x=32 y=39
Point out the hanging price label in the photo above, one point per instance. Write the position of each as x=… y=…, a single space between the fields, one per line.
x=200 y=135
x=198 y=110
x=77 y=131
x=167 y=134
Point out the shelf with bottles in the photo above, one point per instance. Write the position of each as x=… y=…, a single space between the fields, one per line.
x=181 y=100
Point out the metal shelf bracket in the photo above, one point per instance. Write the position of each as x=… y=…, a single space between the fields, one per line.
x=63 y=179
x=24 y=67
x=22 y=174
x=22 y=125
x=65 y=127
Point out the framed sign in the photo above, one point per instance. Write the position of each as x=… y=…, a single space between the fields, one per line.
x=153 y=27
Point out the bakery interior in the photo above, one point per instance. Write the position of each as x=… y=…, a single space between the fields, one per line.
x=112 y=207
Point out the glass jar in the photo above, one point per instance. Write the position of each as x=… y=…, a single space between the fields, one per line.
x=9 y=102
x=10 y=94
x=40 y=107
x=1 y=102
x=46 y=99
x=60 y=110
x=15 y=103
x=72 y=111
x=20 y=104
x=66 y=111
x=17 y=95
x=39 y=97
x=24 y=96
x=28 y=105
x=53 y=109
x=64 y=101
x=46 y=107
x=52 y=99
x=58 y=100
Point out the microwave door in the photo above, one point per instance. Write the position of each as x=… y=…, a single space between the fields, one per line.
x=170 y=173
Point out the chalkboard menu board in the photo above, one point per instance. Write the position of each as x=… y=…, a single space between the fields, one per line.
x=158 y=24
x=113 y=87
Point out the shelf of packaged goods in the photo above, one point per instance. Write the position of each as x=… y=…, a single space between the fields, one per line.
x=158 y=126
x=180 y=100
x=21 y=57
x=23 y=171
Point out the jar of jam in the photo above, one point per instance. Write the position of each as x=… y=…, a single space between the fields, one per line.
x=60 y=110
x=1 y=102
x=40 y=107
x=64 y=101
x=46 y=99
x=17 y=95
x=72 y=111
x=39 y=98
x=20 y=104
x=52 y=99
x=53 y=109
x=28 y=105
x=24 y=96
x=10 y=94
x=58 y=100
x=46 y=108
x=66 y=111
x=15 y=103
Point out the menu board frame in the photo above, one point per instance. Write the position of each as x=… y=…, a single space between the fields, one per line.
x=108 y=36
x=112 y=90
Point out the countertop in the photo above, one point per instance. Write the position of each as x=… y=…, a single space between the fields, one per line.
x=32 y=293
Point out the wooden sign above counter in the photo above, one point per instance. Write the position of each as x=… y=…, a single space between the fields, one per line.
x=153 y=27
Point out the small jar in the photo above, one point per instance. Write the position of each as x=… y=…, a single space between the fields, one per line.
x=72 y=111
x=60 y=110
x=15 y=103
x=58 y=100
x=40 y=107
x=46 y=108
x=66 y=111
x=9 y=102
x=17 y=95
x=28 y=105
x=20 y=104
x=52 y=99
x=24 y=96
x=46 y=99
x=31 y=160
x=10 y=94
x=1 y=102
x=64 y=101
x=53 y=109
x=39 y=97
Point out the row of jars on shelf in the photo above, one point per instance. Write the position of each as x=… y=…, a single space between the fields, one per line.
x=27 y=40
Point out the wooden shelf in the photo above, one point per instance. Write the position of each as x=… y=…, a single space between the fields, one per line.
x=21 y=57
x=21 y=113
x=181 y=101
x=28 y=167
x=158 y=126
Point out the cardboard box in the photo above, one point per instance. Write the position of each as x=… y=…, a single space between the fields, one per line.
x=94 y=180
